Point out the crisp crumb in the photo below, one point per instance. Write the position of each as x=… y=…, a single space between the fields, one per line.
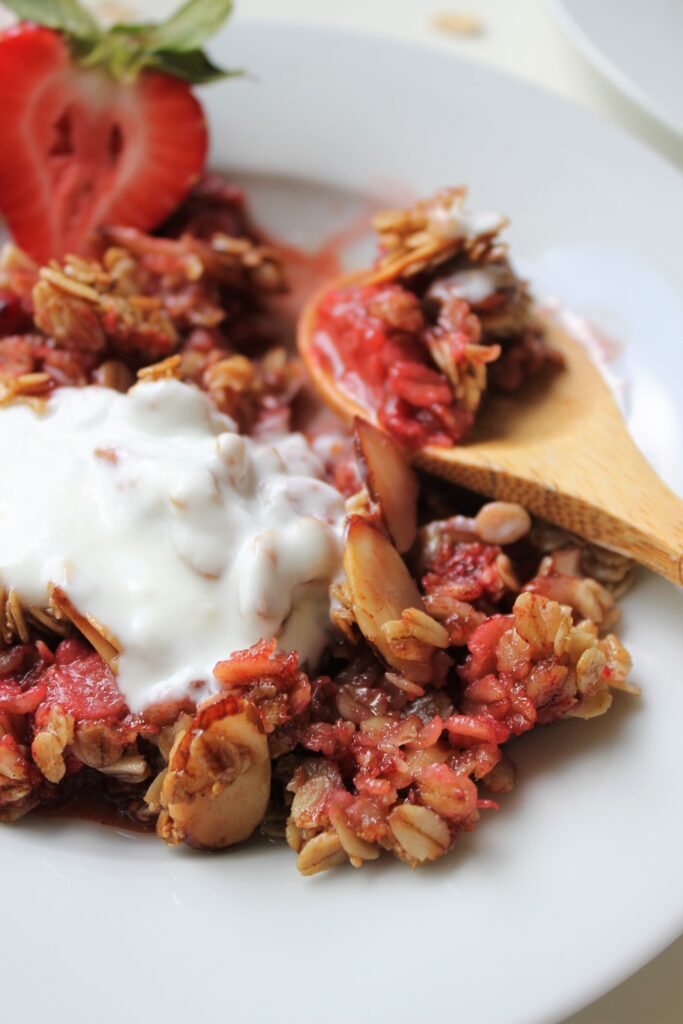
x=107 y=455
x=457 y=23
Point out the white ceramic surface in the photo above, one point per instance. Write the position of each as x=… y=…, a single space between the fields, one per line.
x=638 y=44
x=576 y=882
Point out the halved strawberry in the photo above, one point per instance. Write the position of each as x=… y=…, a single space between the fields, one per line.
x=102 y=141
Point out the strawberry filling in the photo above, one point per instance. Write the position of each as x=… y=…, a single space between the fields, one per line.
x=369 y=339
x=74 y=677
x=82 y=684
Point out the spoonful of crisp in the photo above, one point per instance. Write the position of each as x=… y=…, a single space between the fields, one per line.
x=440 y=346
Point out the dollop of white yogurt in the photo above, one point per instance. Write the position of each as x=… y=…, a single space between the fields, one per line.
x=185 y=539
x=456 y=221
x=473 y=284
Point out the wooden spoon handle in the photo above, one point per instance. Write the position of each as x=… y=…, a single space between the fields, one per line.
x=641 y=517
x=637 y=515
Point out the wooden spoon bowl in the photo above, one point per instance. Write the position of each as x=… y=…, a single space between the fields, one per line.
x=559 y=446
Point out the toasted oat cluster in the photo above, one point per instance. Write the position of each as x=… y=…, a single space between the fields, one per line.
x=440 y=320
x=455 y=625
x=199 y=290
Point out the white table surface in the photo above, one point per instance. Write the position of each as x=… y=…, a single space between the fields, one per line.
x=519 y=36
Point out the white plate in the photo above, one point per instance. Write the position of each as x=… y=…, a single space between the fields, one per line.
x=637 y=44
x=577 y=881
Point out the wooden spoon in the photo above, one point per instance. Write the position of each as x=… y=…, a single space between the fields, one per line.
x=559 y=446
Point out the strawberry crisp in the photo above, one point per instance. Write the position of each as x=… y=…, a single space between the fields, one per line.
x=136 y=281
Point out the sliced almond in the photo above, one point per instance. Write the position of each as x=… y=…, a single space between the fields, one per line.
x=216 y=789
x=16 y=618
x=390 y=480
x=381 y=590
x=94 y=632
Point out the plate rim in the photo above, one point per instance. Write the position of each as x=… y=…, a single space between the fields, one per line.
x=478 y=66
x=606 y=66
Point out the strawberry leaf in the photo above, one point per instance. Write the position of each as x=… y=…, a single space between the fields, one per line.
x=190 y=26
x=190 y=65
x=63 y=15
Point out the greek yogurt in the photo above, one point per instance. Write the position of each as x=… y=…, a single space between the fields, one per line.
x=184 y=539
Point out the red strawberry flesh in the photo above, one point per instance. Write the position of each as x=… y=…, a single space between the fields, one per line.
x=81 y=149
